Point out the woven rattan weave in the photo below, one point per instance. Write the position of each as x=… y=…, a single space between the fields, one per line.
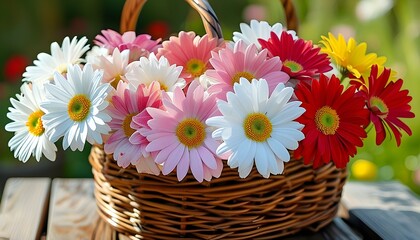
x=159 y=207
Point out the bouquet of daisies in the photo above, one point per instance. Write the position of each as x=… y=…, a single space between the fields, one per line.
x=187 y=104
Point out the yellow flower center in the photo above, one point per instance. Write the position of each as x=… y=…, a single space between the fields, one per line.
x=114 y=83
x=327 y=120
x=34 y=123
x=238 y=75
x=128 y=131
x=163 y=86
x=79 y=107
x=62 y=68
x=379 y=106
x=195 y=67
x=257 y=127
x=191 y=132
x=293 y=66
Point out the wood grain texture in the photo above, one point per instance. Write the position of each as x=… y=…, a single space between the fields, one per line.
x=382 y=210
x=23 y=208
x=379 y=195
x=72 y=213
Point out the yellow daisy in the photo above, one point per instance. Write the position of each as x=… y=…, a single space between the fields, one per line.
x=350 y=57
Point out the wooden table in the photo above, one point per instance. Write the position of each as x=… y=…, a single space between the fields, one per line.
x=43 y=208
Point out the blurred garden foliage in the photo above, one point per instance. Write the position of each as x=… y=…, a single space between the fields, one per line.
x=390 y=28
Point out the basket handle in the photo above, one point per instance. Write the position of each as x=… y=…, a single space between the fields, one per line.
x=132 y=8
x=291 y=16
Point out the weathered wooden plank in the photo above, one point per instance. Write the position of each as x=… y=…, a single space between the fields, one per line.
x=379 y=195
x=383 y=210
x=72 y=212
x=339 y=230
x=23 y=208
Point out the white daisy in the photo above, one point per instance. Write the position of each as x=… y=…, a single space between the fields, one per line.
x=256 y=127
x=30 y=137
x=68 y=54
x=114 y=67
x=75 y=107
x=258 y=30
x=150 y=69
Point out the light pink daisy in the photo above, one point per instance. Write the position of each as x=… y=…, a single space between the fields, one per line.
x=114 y=67
x=139 y=45
x=243 y=61
x=181 y=137
x=191 y=52
x=125 y=105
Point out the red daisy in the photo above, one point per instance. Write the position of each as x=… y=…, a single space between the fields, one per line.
x=301 y=59
x=387 y=104
x=333 y=122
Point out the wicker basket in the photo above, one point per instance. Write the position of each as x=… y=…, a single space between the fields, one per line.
x=144 y=206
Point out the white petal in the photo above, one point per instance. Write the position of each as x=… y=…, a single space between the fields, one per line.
x=261 y=160
x=278 y=149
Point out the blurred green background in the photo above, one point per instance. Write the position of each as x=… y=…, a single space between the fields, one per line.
x=391 y=29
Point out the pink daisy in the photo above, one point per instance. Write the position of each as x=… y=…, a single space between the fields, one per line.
x=243 y=61
x=140 y=45
x=181 y=137
x=126 y=104
x=191 y=52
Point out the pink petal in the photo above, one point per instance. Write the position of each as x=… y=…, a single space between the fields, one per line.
x=207 y=157
x=183 y=165
x=164 y=153
x=207 y=173
x=173 y=159
x=211 y=144
x=178 y=98
x=113 y=140
x=196 y=165
x=136 y=138
x=161 y=143
x=218 y=171
x=163 y=124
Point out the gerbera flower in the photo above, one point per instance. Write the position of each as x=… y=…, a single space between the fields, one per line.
x=127 y=103
x=301 y=59
x=139 y=123
x=61 y=57
x=30 y=137
x=387 y=104
x=350 y=57
x=259 y=127
x=150 y=69
x=115 y=67
x=181 y=137
x=189 y=51
x=74 y=107
x=243 y=61
x=362 y=83
x=258 y=30
x=334 y=122
x=140 y=45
